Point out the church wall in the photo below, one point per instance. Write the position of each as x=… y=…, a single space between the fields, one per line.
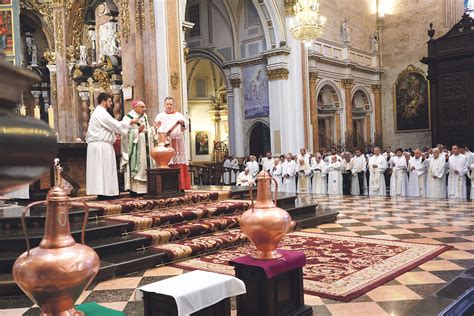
x=201 y=121
x=404 y=40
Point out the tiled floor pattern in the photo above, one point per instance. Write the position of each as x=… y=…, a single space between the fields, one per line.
x=426 y=290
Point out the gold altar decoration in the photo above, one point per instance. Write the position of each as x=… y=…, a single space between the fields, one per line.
x=41 y=6
x=278 y=74
x=265 y=224
x=50 y=56
x=103 y=78
x=307 y=25
x=58 y=26
x=54 y=274
x=124 y=19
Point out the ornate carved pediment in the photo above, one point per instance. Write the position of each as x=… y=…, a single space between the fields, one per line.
x=408 y=70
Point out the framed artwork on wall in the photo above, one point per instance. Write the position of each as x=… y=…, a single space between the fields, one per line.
x=7 y=44
x=5 y=2
x=411 y=98
x=255 y=88
x=201 y=143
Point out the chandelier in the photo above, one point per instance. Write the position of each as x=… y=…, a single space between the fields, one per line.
x=307 y=25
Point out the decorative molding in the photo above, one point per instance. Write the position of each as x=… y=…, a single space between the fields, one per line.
x=59 y=32
x=342 y=64
x=78 y=23
x=313 y=76
x=151 y=10
x=124 y=19
x=50 y=56
x=174 y=80
x=347 y=83
x=290 y=7
x=278 y=74
x=103 y=78
x=244 y=63
x=376 y=88
x=410 y=69
x=43 y=7
x=139 y=15
x=276 y=52
x=235 y=82
x=54 y=86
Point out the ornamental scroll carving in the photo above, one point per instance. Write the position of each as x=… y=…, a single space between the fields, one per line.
x=278 y=74
x=59 y=32
x=124 y=19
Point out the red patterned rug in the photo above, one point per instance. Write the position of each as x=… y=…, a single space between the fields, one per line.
x=337 y=267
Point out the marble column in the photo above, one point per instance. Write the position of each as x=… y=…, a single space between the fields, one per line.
x=66 y=118
x=378 y=138
x=84 y=96
x=237 y=117
x=313 y=76
x=347 y=84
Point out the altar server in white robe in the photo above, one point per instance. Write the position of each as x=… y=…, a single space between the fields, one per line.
x=417 y=180
x=318 y=168
x=304 y=176
x=399 y=178
x=436 y=181
x=377 y=166
x=457 y=166
x=101 y=168
x=267 y=162
x=360 y=166
x=303 y=155
x=289 y=174
x=245 y=178
x=232 y=165
x=253 y=166
x=275 y=172
x=136 y=148
x=334 y=171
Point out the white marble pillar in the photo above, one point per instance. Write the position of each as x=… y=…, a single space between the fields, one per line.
x=237 y=110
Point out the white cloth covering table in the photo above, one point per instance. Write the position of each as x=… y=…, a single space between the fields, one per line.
x=196 y=290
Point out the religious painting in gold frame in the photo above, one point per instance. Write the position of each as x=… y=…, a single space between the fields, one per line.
x=411 y=99
x=7 y=39
x=5 y=2
x=201 y=143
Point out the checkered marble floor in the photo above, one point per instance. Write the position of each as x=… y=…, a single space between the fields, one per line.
x=425 y=290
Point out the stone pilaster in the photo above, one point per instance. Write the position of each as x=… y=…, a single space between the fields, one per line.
x=238 y=115
x=347 y=84
x=376 y=89
x=313 y=77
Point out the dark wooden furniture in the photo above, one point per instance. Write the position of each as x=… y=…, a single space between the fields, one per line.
x=280 y=295
x=165 y=305
x=450 y=63
x=163 y=183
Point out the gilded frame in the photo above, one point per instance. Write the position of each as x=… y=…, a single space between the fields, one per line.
x=6 y=4
x=10 y=10
x=419 y=72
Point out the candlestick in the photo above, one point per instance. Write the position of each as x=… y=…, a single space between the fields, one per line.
x=51 y=117
x=36 y=112
x=23 y=110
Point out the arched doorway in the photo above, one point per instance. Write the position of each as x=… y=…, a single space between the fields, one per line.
x=329 y=106
x=361 y=118
x=259 y=140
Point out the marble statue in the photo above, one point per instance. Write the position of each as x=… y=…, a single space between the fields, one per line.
x=374 y=43
x=113 y=48
x=83 y=55
x=346 y=31
x=34 y=55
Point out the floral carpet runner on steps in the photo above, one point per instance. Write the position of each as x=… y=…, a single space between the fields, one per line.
x=163 y=235
x=174 y=215
x=130 y=204
x=337 y=267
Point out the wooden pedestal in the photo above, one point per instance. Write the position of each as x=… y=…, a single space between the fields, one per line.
x=163 y=183
x=165 y=305
x=281 y=295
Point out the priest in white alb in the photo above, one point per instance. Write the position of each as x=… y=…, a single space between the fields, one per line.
x=334 y=171
x=101 y=167
x=253 y=166
x=318 y=167
x=436 y=180
x=417 y=177
x=399 y=178
x=377 y=166
x=275 y=172
x=360 y=166
x=164 y=122
x=304 y=176
x=288 y=174
x=136 y=148
x=267 y=162
x=245 y=178
x=457 y=166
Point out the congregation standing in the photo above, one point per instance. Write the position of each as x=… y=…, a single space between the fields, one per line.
x=432 y=172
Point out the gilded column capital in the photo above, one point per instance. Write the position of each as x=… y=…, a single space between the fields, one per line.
x=235 y=82
x=278 y=74
x=376 y=88
x=347 y=83
x=313 y=76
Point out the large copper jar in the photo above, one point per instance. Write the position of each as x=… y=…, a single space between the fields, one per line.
x=265 y=224
x=54 y=274
x=162 y=153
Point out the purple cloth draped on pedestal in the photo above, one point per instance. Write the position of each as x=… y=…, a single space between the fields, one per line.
x=289 y=261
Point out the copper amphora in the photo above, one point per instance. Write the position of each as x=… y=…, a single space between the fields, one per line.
x=162 y=153
x=55 y=274
x=265 y=224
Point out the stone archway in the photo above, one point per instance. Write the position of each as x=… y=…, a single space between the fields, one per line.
x=259 y=139
x=361 y=118
x=329 y=106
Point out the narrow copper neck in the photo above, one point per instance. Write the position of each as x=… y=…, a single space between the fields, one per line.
x=264 y=194
x=57 y=232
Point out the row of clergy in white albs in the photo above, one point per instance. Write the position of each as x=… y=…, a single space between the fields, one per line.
x=417 y=176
